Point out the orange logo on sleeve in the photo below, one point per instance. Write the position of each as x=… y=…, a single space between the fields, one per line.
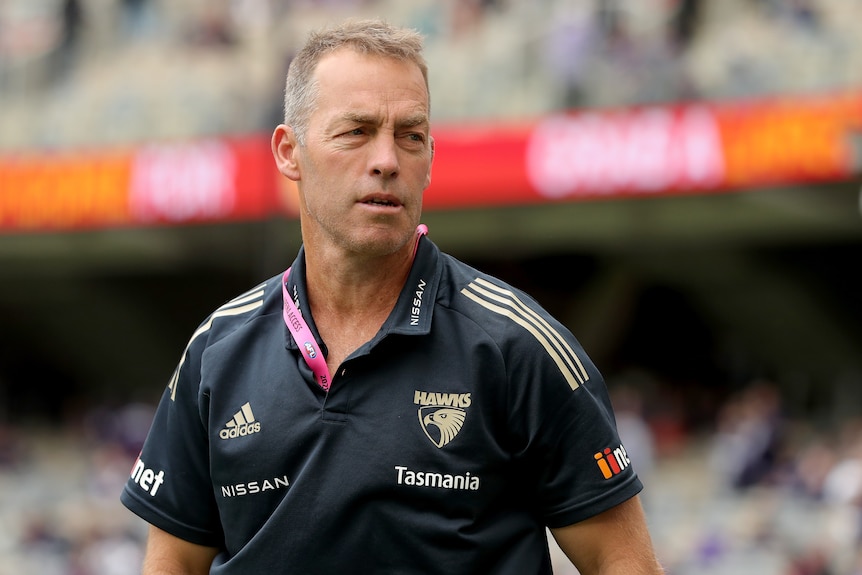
x=612 y=462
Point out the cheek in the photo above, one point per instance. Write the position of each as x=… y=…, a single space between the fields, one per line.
x=313 y=199
x=314 y=185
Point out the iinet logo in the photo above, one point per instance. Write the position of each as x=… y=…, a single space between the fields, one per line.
x=146 y=478
x=612 y=462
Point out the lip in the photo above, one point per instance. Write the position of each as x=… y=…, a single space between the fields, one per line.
x=381 y=201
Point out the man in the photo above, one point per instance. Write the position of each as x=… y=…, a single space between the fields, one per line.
x=380 y=407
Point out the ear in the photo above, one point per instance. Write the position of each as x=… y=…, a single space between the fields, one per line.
x=284 y=148
x=428 y=177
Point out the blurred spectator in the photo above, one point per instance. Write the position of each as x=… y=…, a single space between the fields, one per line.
x=466 y=17
x=10 y=446
x=634 y=430
x=73 y=20
x=139 y=20
x=842 y=486
x=843 y=482
x=214 y=26
x=67 y=51
x=810 y=468
x=811 y=562
x=685 y=23
x=108 y=554
x=749 y=436
x=570 y=45
x=588 y=53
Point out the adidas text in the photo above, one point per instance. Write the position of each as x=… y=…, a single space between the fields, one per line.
x=241 y=424
x=240 y=430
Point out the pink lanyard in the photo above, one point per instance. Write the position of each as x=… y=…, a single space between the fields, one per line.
x=302 y=333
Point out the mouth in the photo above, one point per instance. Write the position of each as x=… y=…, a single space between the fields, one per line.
x=383 y=201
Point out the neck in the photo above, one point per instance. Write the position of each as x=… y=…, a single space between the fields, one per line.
x=355 y=286
x=351 y=300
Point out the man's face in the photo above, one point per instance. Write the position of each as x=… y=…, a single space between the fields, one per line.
x=367 y=158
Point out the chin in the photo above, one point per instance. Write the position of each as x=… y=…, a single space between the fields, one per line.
x=381 y=245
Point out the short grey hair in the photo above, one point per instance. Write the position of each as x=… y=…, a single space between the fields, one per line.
x=372 y=37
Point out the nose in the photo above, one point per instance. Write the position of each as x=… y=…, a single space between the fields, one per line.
x=384 y=156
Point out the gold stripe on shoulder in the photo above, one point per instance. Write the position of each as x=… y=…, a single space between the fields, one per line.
x=504 y=302
x=224 y=311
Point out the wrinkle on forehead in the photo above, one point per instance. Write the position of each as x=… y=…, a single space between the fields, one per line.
x=371 y=91
x=352 y=71
x=408 y=120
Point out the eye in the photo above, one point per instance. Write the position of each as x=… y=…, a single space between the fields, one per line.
x=414 y=138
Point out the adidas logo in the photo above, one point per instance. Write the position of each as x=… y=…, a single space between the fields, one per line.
x=241 y=424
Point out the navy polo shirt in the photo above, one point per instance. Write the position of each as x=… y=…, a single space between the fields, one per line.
x=446 y=444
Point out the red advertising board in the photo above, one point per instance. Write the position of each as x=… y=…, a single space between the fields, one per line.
x=660 y=150
x=209 y=180
x=64 y=191
x=172 y=183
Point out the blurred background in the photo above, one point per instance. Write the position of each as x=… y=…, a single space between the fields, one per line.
x=677 y=180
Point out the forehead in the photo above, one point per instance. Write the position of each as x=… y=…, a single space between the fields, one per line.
x=349 y=79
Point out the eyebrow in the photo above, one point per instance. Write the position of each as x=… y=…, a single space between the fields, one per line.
x=409 y=122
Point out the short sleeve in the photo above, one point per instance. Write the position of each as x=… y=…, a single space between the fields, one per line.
x=568 y=444
x=169 y=485
x=585 y=468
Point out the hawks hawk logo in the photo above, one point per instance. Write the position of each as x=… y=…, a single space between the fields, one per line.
x=441 y=415
x=441 y=424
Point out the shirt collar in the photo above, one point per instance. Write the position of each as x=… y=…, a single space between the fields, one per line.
x=414 y=309
x=415 y=306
